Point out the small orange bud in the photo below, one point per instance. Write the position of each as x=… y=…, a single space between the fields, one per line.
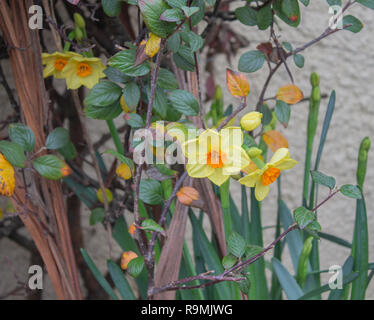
x=123 y=171
x=187 y=194
x=290 y=94
x=126 y=258
x=66 y=171
x=132 y=229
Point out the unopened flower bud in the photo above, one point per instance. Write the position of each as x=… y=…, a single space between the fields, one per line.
x=254 y=152
x=79 y=21
x=251 y=120
x=314 y=79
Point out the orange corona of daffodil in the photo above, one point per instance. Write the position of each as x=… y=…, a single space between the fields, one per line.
x=216 y=155
x=81 y=71
x=7 y=180
x=262 y=178
x=56 y=62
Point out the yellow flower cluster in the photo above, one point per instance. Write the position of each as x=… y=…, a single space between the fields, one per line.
x=76 y=69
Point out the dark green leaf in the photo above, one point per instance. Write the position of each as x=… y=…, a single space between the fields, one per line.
x=322 y=179
x=167 y=80
x=304 y=217
x=174 y=43
x=125 y=60
x=150 y=192
x=299 y=60
x=131 y=94
x=228 y=261
x=68 y=151
x=189 y=11
x=97 y=215
x=112 y=7
x=236 y=244
x=283 y=112
x=151 y=11
x=151 y=225
x=103 y=113
x=367 y=3
x=103 y=94
x=122 y=158
x=246 y=15
x=49 y=166
x=267 y=115
x=184 y=102
x=264 y=17
x=351 y=191
x=135 y=121
x=135 y=266
x=116 y=75
x=184 y=59
x=23 y=135
x=172 y=15
x=177 y=3
x=251 y=61
x=352 y=24
x=98 y=276
x=57 y=139
x=14 y=153
x=120 y=281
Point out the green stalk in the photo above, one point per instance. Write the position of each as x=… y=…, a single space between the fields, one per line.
x=225 y=202
x=314 y=105
x=115 y=136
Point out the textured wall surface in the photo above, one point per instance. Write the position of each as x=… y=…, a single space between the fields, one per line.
x=345 y=63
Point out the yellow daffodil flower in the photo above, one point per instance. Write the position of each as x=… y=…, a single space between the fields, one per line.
x=262 y=178
x=7 y=180
x=216 y=155
x=81 y=71
x=56 y=62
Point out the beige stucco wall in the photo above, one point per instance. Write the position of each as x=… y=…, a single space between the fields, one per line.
x=345 y=63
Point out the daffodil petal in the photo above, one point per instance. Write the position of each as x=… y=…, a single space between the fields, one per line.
x=251 y=179
x=286 y=164
x=261 y=191
x=48 y=70
x=209 y=140
x=279 y=155
x=238 y=158
x=199 y=170
x=218 y=176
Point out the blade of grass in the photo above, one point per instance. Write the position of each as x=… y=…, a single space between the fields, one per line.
x=335 y=239
x=120 y=281
x=98 y=276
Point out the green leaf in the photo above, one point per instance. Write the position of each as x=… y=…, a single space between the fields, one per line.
x=304 y=217
x=322 y=179
x=335 y=239
x=135 y=266
x=125 y=60
x=151 y=11
x=287 y=46
x=49 y=166
x=172 y=15
x=288 y=283
x=236 y=244
x=194 y=41
x=351 y=191
x=57 y=139
x=122 y=158
x=160 y=102
x=166 y=80
x=98 y=276
x=246 y=15
x=116 y=75
x=68 y=151
x=245 y=285
x=103 y=113
x=112 y=7
x=189 y=11
x=135 y=121
x=228 y=261
x=184 y=102
x=352 y=24
x=267 y=115
x=184 y=59
x=299 y=60
x=177 y=3
x=23 y=135
x=120 y=281
x=251 y=61
x=367 y=3
x=14 y=153
x=97 y=215
x=150 y=192
x=283 y=112
x=151 y=225
x=264 y=17
x=305 y=2
x=174 y=43
x=252 y=250
x=334 y=3
x=103 y=94
x=131 y=94
x=288 y=11
x=196 y=18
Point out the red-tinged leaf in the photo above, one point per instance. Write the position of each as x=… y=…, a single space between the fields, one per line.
x=275 y=140
x=237 y=83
